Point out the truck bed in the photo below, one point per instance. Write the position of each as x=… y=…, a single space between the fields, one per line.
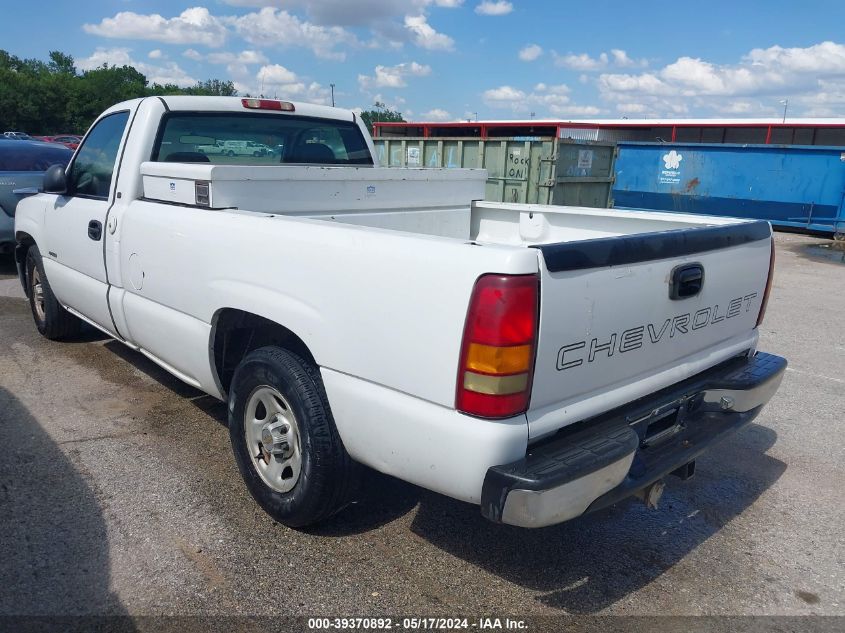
x=609 y=331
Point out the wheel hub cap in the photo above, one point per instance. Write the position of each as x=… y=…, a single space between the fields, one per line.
x=273 y=439
x=38 y=293
x=276 y=437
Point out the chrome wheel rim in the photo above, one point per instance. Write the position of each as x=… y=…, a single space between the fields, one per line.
x=38 y=294
x=273 y=438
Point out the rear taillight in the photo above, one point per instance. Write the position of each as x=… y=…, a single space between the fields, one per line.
x=497 y=353
x=768 y=290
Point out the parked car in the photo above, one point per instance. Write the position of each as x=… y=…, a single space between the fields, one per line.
x=211 y=148
x=71 y=141
x=244 y=148
x=235 y=148
x=538 y=361
x=19 y=136
x=22 y=166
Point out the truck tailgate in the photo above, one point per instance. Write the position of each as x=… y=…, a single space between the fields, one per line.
x=610 y=332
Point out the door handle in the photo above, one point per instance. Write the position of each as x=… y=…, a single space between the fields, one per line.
x=95 y=230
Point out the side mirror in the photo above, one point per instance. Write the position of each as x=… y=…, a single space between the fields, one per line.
x=55 y=180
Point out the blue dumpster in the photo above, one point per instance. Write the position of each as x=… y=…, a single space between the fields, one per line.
x=796 y=186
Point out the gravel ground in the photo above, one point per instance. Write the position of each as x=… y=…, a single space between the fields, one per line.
x=119 y=495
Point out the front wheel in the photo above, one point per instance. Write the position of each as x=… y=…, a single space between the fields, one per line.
x=285 y=441
x=51 y=319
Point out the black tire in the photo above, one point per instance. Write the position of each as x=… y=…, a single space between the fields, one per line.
x=53 y=321
x=328 y=476
x=230 y=153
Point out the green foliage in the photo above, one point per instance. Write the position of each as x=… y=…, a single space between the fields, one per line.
x=380 y=114
x=53 y=97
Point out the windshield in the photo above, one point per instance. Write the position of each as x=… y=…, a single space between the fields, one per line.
x=259 y=139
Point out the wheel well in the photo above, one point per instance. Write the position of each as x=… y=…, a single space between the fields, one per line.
x=24 y=242
x=235 y=333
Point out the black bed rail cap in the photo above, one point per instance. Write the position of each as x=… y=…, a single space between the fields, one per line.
x=632 y=249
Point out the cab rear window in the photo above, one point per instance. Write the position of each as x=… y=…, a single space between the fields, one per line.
x=259 y=139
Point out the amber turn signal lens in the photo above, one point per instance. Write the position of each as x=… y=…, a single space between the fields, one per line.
x=489 y=359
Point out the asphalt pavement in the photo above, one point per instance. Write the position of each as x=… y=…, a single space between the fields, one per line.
x=119 y=495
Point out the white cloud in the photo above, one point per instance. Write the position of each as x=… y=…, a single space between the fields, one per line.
x=244 y=57
x=575 y=110
x=823 y=58
x=437 y=114
x=192 y=26
x=558 y=89
x=425 y=36
x=373 y=13
x=621 y=59
x=499 y=7
x=581 y=61
x=393 y=76
x=193 y=54
x=276 y=74
x=737 y=107
x=503 y=95
x=631 y=108
x=271 y=27
x=170 y=73
x=551 y=99
x=278 y=82
x=530 y=53
x=584 y=62
x=808 y=76
x=155 y=54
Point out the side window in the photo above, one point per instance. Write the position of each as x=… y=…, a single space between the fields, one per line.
x=91 y=171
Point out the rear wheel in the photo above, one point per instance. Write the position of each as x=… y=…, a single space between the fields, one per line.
x=230 y=153
x=51 y=319
x=285 y=441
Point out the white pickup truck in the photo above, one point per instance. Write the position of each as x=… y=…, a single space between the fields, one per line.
x=538 y=361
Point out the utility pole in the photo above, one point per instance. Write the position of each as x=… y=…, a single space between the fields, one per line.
x=785 y=103
x=332 y=85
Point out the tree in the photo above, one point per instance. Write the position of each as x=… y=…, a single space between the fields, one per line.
x=213 y=88
x=380 y=114
x=61 y=63
x=54 y=97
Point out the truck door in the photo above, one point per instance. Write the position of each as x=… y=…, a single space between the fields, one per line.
x=74 y=257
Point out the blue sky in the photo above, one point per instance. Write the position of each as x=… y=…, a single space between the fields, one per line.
x=456 y=59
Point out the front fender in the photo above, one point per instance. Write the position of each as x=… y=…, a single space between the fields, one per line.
x=29 y=219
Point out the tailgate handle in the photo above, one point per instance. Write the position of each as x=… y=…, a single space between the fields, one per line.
x=687 y=281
